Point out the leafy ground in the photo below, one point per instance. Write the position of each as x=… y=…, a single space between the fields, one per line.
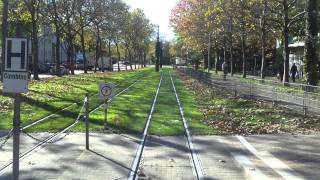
x=294 y=88
x=232 y=115
x=192 y=108
x=50 y=95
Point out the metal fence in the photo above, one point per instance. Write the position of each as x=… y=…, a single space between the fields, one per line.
x=298 y=97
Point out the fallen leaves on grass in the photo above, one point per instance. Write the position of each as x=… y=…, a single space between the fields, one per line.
x=233 y=115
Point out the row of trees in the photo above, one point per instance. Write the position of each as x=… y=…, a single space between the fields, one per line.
x=247 y=28
x=104 y=27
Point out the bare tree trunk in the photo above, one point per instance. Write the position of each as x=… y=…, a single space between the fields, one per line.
x=209 y=53
x=217 y=61
x=57 y=33
x=96 y=55
x=145 y=59
x=83 y=47
x=130 y=56
x=110 y=60
x=118 y=52
x=243 y=46
x=285 y=34
x=231 y=48
x=4 y=32
x=100 y=52
x=224 y=50
x=311 y=56
x=135 y=60
x=243 y=40
x=33 y=11
x=263 y=40
x=58 y=60
x=72 y=57
x=85 y=63
x=231 y=60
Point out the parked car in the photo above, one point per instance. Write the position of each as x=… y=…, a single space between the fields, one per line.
x=127 y=63
x=79 y=64
x=44 y=68
x=63 y=70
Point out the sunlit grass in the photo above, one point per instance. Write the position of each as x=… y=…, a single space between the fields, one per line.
x=50 y=95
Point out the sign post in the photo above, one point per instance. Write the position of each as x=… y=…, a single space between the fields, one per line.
x=16 y=136
x=86 y=101
x=105 y=93
x=15 y=81
x=105 y=113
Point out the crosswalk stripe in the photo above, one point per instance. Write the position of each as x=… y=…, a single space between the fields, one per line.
x=274 y=163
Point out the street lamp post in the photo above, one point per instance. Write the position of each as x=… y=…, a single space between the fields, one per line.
x=243 y=43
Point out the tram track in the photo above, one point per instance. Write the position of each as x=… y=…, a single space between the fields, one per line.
x=194 y=160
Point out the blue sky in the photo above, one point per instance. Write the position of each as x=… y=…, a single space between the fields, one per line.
x=158 y=11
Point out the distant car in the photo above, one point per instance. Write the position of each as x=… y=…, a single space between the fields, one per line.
x=44 y=68
x=79 y=64
x=63 y=70
x=127 y=63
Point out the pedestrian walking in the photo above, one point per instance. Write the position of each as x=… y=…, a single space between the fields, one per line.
x=294 y=72
x=225 y=70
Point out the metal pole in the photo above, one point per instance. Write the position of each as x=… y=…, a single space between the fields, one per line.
x=105 y=113
x=16 y=136
x=87 y=120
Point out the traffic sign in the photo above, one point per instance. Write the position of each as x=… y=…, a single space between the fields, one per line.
x=105 y=91
x=15 y=74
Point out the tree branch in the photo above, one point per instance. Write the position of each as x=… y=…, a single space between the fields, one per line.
x=296 y=18
x=291 y=4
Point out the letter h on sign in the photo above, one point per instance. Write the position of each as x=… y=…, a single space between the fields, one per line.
x=16 y=61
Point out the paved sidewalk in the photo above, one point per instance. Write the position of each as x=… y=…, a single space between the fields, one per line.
x=109 y=158
x=166 y=158
x=282 y=156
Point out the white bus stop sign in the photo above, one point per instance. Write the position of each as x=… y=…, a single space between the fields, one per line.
x=15 y=74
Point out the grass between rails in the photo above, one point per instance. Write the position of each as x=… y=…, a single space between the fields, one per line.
x=166 y=119
x=230 y=115
x=50 y=95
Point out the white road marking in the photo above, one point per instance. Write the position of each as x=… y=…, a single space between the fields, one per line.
x=195 y=159
x=135 y=164
x=274 y=163
x=251 y=170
